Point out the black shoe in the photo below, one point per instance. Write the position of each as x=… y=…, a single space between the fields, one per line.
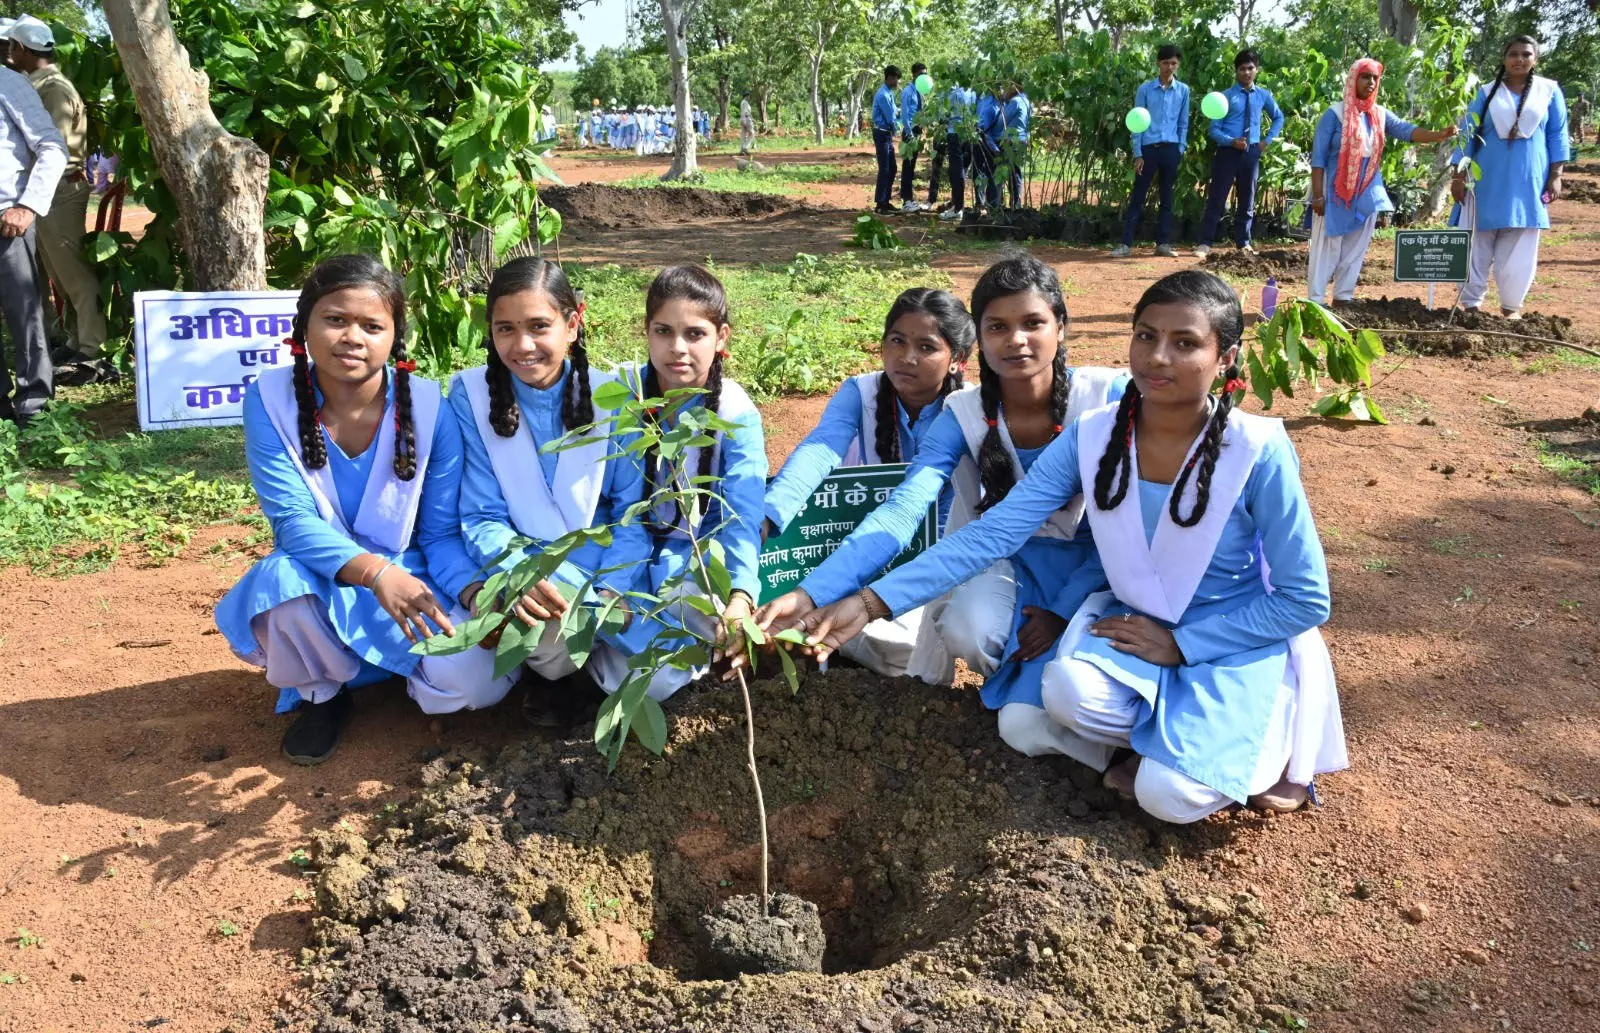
x=561 y=703
x=88 y=371
x=887 y=209
x=315 y=733
x=64 y=354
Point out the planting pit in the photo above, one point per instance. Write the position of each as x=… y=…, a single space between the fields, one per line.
x=607 y=206
x=1466 y=334
x=960 y=885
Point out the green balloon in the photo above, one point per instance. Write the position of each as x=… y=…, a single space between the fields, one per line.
x=924 y=84
x=1137 y=120
x=1215 y=105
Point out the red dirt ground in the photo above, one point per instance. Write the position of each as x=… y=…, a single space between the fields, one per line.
x=149 y=819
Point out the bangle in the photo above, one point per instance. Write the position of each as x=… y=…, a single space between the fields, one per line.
x=379 y=575
x=876 y=608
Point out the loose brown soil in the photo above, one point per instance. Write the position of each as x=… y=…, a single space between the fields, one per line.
x=1450 y=881
x=1458 y=332
x=1288 y=264
x=609 y=207
x=961 y=886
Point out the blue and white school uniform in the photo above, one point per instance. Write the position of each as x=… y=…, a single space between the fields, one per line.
x=511 y=487
x=978 y=620
x=739 y=463
x=289 y=613
x=1505 y=208
x=847 y=435
x=1340 y=238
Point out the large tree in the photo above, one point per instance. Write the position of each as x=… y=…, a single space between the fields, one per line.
x=674 y=25
x=219 y=180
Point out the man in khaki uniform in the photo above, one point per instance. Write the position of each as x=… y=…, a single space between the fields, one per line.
x=61 y=231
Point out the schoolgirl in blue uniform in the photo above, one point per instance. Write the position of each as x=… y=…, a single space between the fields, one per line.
x=536 y=387
x=879 y=418
x=1003 y=623
x=1204 y=656
x=354 y=463
x=687 y=329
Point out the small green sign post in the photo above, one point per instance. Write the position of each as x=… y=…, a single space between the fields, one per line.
x=840 y=503
x=1432 y=256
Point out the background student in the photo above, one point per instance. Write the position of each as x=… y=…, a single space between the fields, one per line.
x=885 y=116
x=957 y=126
x=1157 y=150
x=1240 y=144
x=1016 y=116
x=911 y=138
x=1348 y=147
x=1516 y=130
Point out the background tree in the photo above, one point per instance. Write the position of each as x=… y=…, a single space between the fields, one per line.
x=674 y=26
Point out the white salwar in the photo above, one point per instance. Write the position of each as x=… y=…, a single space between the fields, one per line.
x=1336 y=260
x=1512 y=255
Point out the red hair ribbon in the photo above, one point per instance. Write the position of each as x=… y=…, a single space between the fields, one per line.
x=992 y=423
x=722 y=353
x=1233 y=384
x=295 y=347
x=406 y=365
x=1058 y=428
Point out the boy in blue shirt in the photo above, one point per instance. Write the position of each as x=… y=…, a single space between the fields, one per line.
x=951 y=143
x=884 y=117
x=1239 y=146
x=1016 y=113
x=1157 y=150
x=991 y=127
x=910 y=134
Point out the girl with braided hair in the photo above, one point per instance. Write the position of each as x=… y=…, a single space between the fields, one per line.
x=1204 y=657
x=1516 y=130
x=1347 y=190
x=687 y=331
x=1004 y=616
x=882 y=418
x=536 y=387
x=355 y=466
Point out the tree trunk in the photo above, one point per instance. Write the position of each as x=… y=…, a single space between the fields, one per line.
x=684 y=140
x=219 y=180
x=1399 y=20
x=818 y=124
x=761 y=106
x=724 y=94
x=858 y=92
x=1061 y=24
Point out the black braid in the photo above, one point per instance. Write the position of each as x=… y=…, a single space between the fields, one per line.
x=577 y=406
x=405 y=432
x=1499 y=80
x=1060 y=391
x=340 y=273
x=1483 y=119
x=994 y=462
x=1117 y=462
x=887 y=442
x=712 y=400
x=313 y=453
x=1205 y=457
x=505 y=416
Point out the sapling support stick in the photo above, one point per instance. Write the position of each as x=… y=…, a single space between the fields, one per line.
x=755 y=780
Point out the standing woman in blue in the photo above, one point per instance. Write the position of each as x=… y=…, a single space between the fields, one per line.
x=1348 y=149
x=687 y=329
x=1204 y=657
x=879 y=418
x=1237 y=163
x=355 y=467
x=1003 y=622
x=1519 y=140
x=536 y=387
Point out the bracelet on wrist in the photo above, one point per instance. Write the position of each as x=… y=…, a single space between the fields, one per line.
x=373 y=584
x=876 y=608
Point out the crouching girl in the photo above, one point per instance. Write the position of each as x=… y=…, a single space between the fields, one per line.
x=354 y=465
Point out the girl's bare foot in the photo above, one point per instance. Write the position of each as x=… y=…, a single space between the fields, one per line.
x=1119 y=777
x=1282 y=798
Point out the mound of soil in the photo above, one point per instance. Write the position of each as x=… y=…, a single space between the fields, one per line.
x=1580 y=190
x=1589 y=169
x=1287 y=265
x=1475 y=334
x=613 y=207
x=961 y=887
x=740 y=939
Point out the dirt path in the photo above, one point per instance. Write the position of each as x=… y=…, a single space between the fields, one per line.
x=136 y=748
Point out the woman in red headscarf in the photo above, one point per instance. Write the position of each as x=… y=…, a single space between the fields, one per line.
x=1347 y=191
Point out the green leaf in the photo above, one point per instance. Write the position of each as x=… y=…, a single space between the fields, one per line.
x=1291 y=338
x=342 y=195
x=354 y=68
x=1260 y=381
x=613 y=394
x=1373 y=411
x=105 y=246
x=752 y=630
x=791 y=674
x=652 y=730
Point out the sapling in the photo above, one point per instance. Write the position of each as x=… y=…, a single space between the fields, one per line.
x=703 y=589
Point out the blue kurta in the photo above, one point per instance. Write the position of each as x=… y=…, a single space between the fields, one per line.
x=1207 y=717
x=486 y=520
x=1047 y=569
x=1340 y=218
x=308 y=552
x=826 y=446
x=1514 y=171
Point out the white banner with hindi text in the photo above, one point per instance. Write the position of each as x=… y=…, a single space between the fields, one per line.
x=196 y=352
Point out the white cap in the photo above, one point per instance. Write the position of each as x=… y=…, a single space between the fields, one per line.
x=33 y=34
x=5 y=27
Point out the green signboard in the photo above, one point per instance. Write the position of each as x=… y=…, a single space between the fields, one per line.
x=1431 y=256
x=840 y=503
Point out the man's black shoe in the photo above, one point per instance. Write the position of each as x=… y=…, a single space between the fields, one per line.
x=315 y=733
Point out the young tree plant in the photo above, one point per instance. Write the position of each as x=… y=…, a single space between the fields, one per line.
x=703 y=588
x=1304 y=342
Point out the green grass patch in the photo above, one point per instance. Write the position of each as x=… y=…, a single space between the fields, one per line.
x=797 y=329
x=75 y=502
x=1569 y=468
